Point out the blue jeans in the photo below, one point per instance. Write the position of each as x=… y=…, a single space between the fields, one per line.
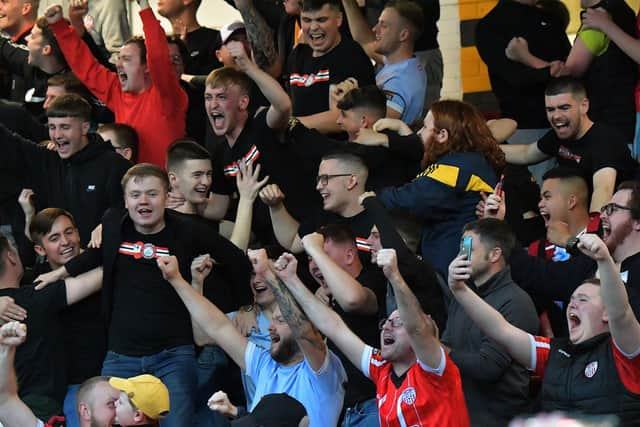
x=71 y=406
x=362 y=414
x=212 y=361
x=176 y=367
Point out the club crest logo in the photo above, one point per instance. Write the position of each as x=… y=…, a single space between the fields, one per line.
x=591 y=369
x=408 y=396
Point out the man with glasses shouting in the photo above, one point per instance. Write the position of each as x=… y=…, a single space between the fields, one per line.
x=620 y=219
x=416 y=382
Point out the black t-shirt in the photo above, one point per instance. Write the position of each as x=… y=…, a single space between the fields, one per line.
x=148 y=315
x=602 y=146
x=202 y=45
x=259 y=144
x=359 y=387
x=360 y=225
x=310 y=77
x=84 y=336
x=40 y=363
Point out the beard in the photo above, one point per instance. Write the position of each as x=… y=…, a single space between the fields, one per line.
x=617 y=236
x=287 y=349
x=433 y=151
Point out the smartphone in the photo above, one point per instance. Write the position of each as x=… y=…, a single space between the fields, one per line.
x=498 y=189
x=465 y=246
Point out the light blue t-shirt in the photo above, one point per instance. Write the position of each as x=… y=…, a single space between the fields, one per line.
x=320 y=392
x=261 y=338
x=405 y=84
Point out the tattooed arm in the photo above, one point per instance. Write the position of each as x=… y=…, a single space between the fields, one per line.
x=308 y=338
x=260 y=37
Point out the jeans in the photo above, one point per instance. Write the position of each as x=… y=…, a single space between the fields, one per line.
x=176 y=367
x=212 y=361
x=362 y=414
x=71 y=406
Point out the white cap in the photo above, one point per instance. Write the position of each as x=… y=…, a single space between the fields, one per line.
x=228 y=30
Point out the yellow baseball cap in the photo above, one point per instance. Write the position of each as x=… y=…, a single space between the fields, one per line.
x=146 y=392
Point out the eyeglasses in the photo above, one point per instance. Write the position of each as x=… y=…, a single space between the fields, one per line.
x=396 y=322
x=610 y=208
x=324 y=179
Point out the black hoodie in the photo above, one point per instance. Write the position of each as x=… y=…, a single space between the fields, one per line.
x=86 y=184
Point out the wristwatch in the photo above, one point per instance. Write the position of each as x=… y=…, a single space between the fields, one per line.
x=572 y=245
x=293 y=122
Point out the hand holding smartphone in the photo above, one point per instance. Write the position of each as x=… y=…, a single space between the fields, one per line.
x=465 y=246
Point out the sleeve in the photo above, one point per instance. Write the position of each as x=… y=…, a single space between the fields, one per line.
x=22 y=154
x=555 y=280
x=221 y=184
x=491 y=46
x=596 y=41
x=233 y=263
x=311 y=225
x=159 y=62
x=628 y=367
x=100 y=54
x=88 y=260
x=540 y=348
x=439 y=370
x=55 y=296
x=103 y=83
x=608 y=155
x=409 y=147
x=396 y=96
x=13 y=56
x=331 y=374
x=430 y=196
x=367 y=364
x=548 y=144
x=489 y=361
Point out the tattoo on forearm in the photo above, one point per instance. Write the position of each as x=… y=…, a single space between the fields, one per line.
x=294 y=316
x=260 y=37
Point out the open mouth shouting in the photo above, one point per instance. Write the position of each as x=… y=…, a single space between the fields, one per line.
x=217 y=119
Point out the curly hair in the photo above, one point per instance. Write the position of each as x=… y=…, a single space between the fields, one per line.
x=467 y=130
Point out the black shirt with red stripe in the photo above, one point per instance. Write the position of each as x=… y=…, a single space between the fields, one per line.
x=259 y=144
x=310 y=77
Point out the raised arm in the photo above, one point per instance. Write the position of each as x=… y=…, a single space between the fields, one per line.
x=285 y=226
x=360 y=30
x=13 y=411
x=422 y=331
x=308 y=338
x=488 y=319
x=158 y=61
x=323 y=317
x=624 y=327
x=280 y=109
x=604 y=183
x=347 y=291
x=248 y=188
x=260 y=38
x=599 y=19
x=213 y=321
x=200 y=268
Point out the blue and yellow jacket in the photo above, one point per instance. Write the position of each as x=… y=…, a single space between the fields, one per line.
x=444 y=197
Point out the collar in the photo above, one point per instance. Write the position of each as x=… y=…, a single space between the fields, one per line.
x=495 y=282
x=22 y=34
